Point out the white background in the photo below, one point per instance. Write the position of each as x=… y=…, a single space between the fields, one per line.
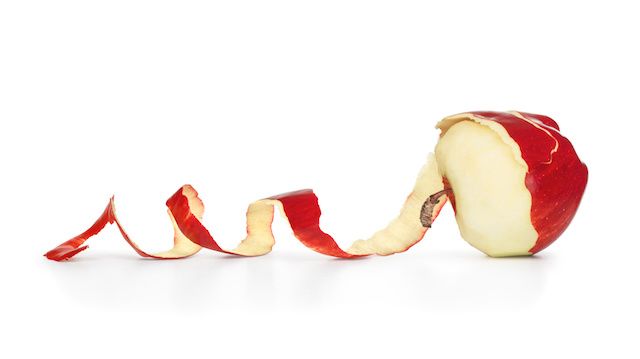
x=248 y=99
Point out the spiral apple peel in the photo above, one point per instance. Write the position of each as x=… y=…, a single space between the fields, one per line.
x=515 y=184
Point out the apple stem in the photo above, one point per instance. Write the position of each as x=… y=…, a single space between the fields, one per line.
x=426 y=213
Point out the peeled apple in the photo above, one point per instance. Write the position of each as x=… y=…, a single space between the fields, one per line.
x=515 y=184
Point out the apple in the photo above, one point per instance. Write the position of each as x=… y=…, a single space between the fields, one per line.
x=515 y=184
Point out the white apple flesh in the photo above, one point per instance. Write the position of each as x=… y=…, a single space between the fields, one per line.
x=493 y=204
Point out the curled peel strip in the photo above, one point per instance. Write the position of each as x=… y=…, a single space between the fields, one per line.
x=299 y=208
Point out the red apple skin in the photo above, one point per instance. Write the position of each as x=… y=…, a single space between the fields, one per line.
x=301 y=208
x=548 y=121
x=556 y=177
x=189 y=225
x=76 y=245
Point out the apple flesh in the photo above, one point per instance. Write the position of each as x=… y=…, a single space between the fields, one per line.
x=488 y=182
x=514 y=181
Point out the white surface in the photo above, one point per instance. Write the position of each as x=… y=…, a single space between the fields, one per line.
x=249 y=99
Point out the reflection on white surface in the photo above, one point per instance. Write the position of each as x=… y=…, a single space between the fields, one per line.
x=301 y=281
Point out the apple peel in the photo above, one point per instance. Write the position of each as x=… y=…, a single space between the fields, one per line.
x=300 y=209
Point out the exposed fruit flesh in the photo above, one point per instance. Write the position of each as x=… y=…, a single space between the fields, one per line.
x=492 y=202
